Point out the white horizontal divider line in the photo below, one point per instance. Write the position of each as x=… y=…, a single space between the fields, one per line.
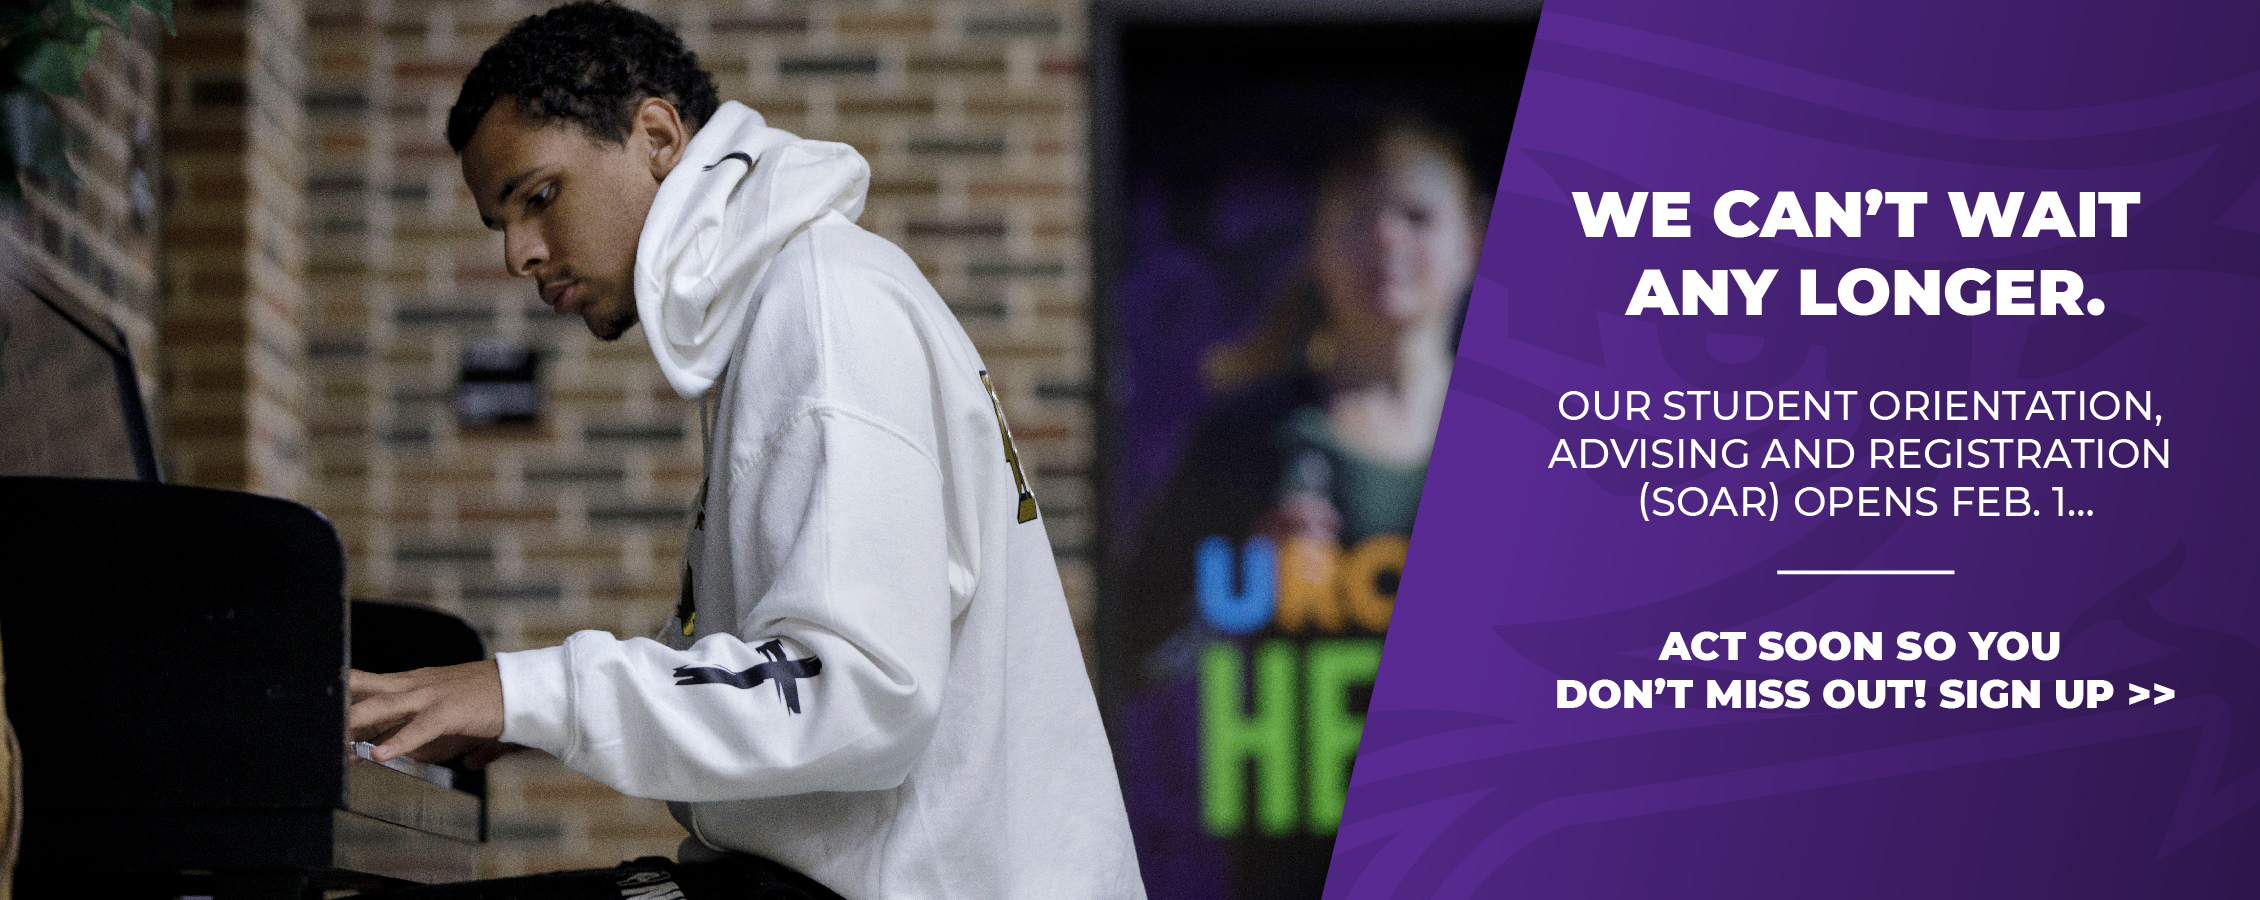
x=1863 y=571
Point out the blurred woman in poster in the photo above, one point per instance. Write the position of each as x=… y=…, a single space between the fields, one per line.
x=1319 y=440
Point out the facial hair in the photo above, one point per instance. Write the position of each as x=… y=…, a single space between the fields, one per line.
x=610 y=328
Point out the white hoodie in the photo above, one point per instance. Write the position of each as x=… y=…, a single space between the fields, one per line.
x=880 y=687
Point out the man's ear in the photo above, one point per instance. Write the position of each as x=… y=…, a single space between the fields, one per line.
x=660 y=128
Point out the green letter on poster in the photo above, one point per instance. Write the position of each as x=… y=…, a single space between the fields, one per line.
x=1331 y=668
x=1229 y=739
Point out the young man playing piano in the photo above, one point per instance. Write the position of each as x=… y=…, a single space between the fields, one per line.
x=871 y=678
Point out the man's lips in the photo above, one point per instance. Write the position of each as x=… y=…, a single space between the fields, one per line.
x=561 y=296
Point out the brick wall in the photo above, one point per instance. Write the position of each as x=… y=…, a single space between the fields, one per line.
x=235 y=252
x=972 y=116
x=97 y=239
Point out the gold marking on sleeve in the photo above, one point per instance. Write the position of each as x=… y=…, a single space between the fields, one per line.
x=1011 y=454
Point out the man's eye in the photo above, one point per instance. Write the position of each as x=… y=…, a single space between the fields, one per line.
x=542 y=197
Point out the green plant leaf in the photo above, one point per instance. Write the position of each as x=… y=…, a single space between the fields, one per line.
x=72 y=28
x=55 y=66
x=75 y=21
x=162 y=8
x=16 y=17
x=40 y=8
x=114 y=10
x=83 y=53
x=45 y=46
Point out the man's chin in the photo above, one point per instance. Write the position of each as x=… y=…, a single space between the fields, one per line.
x=612 y=329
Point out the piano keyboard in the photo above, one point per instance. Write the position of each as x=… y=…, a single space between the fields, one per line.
x=439 y=775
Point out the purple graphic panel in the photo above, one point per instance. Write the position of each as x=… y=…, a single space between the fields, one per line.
x=1561 y=711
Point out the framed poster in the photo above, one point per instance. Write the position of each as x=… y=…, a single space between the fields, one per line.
x=1290 y=203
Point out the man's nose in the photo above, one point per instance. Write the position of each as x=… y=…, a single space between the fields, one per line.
x=523 y=251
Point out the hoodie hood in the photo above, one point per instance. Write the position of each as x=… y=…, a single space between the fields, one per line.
x=741 y=190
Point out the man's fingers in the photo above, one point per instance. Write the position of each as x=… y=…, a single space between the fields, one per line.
x=383 y=708
x=359 y=684
x=425 y=704
x=419 y=731
x=375 y=734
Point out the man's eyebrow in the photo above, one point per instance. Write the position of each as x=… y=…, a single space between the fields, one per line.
x=510 y=185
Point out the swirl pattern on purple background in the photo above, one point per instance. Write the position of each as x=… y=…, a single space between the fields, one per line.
x=1470 y=783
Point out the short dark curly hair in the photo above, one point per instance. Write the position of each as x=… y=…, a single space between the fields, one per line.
x=589 y=63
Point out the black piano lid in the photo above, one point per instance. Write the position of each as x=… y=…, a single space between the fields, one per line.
x=171 y=646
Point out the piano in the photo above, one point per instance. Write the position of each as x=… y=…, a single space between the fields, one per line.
x=176 y=657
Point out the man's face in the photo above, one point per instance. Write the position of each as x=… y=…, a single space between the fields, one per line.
x=570 y=206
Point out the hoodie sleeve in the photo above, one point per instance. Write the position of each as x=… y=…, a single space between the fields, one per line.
x=832 y=680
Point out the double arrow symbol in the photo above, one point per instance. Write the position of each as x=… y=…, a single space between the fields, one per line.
x=2143 y=693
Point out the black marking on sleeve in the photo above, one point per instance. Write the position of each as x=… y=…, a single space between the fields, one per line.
x=786 y=673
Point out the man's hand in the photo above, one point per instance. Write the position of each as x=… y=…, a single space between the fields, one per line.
x=409 y=710
x=469 y=752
